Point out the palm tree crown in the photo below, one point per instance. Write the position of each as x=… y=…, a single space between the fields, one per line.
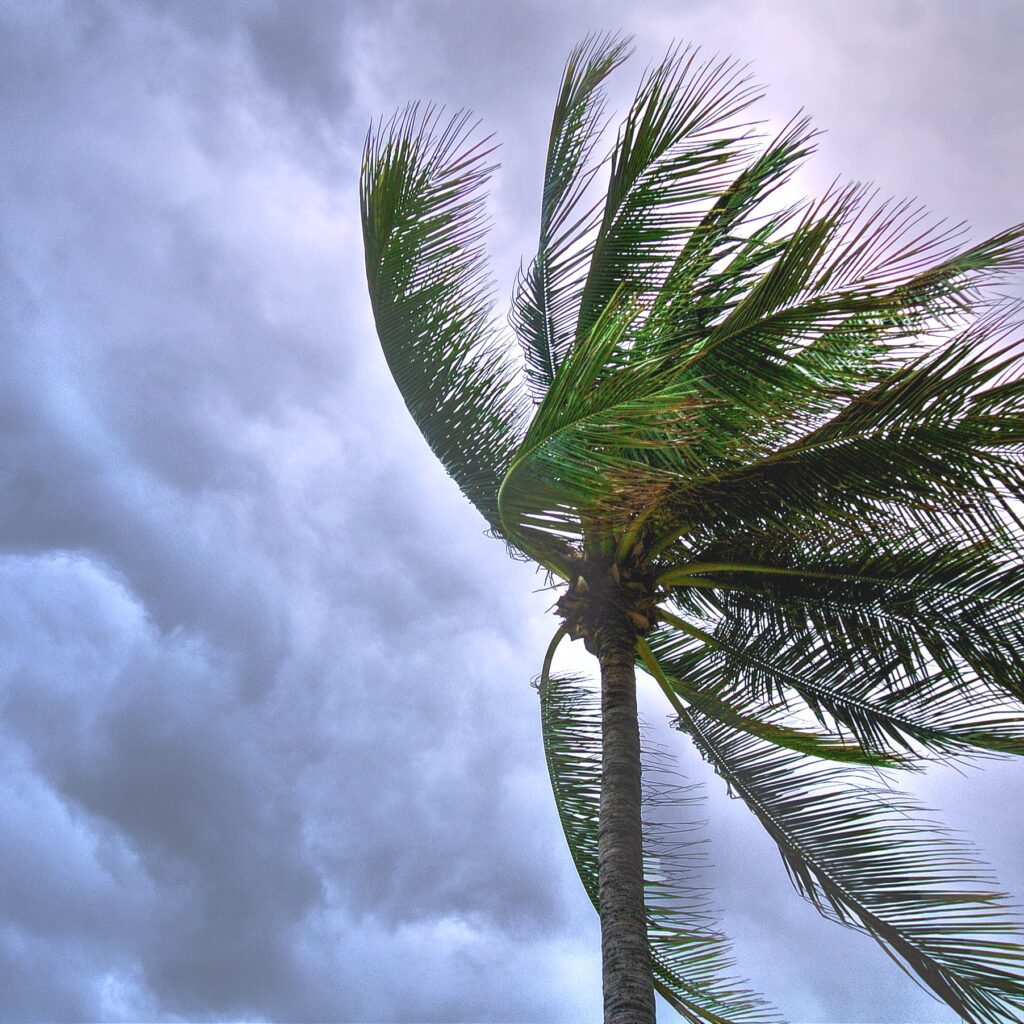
x=780 y=446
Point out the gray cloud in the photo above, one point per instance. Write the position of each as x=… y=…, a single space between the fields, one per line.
x=264 y=714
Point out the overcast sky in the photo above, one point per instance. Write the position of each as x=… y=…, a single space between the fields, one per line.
x=268 y=745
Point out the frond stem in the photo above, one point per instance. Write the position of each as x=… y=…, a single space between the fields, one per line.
x=545 y=672
x=654 y=667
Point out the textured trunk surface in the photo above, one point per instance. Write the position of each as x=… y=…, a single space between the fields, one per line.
x=626 y=968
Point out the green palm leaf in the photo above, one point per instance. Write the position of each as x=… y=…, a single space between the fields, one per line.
x=891 y=607
x=864 y=858
x=761 y=676
x=423 y=225
x=934 y=447
x=677 y=151
x=761 y=720
x=692 y=288
x=546 y=302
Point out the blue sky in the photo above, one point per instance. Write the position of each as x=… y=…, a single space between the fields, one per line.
x=267 y=737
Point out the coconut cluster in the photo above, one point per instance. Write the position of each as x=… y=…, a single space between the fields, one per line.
x=603 y=591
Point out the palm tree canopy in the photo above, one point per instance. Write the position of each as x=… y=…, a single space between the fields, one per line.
x=786 y=440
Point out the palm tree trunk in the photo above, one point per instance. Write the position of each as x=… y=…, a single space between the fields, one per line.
x=626 y=967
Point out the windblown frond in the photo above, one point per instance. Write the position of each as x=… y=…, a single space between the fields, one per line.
x=865 y=858
x=546 y=302
x=421 y=195
x=934 y=446
x=691 y=959
x=761 y=673
x=677 y=151
x=759 y=718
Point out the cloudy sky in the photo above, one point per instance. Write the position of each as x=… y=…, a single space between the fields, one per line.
x=268 y=745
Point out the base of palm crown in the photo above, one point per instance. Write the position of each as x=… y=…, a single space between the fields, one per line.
x=604 y=589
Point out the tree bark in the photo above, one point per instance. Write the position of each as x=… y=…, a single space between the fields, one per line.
x=626 y=966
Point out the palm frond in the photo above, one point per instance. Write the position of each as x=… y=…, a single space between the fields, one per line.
x=690 y=957
x=762 y=673
x=546 y=301
x=583 y=431
x=934 y=448
x=907 y=617
x=761 y=720
x=864 y=858
x=849 y=257
x=421 y=195
x=822 y=325
x=677 y=151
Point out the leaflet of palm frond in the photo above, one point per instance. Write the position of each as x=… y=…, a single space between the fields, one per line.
x=787 y=384
x=733 y=230
x=422 y=203
x=938 y=440
x=761 y=721
x=946 y=380
x=735 y=660
x=772 y=359
x=864 y=857
x=835 y=500
x=882 y=654
x=677 y=151
x=690 y=957
x=545 y=303
x=898 y=574
x=908 y=611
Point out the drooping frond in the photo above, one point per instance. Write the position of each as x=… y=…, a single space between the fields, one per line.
x=759 y=718
x=865 y=858
x=873 y=569
x=546 y=301
x=421 y=194
x=690 y=957
x=762 y=674
x=902 y=615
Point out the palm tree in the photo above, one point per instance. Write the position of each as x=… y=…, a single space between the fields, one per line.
x=773 y=455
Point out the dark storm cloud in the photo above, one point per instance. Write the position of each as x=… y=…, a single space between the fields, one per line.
x=148 y=744
x=243 y=680
x=297 y=52
x=268 y=745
